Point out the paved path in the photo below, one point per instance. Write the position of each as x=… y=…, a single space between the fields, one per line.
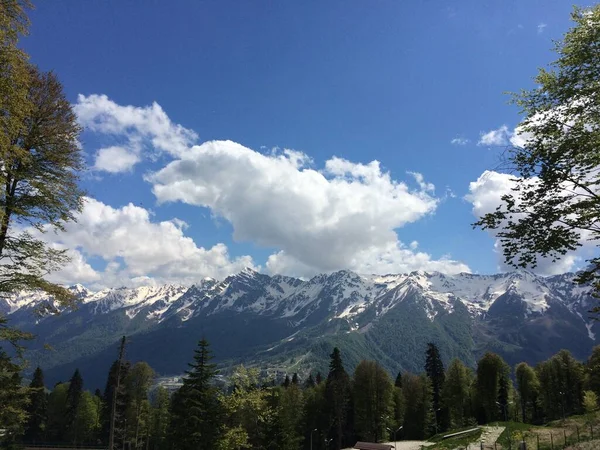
x=489 y=436
x=408 y=445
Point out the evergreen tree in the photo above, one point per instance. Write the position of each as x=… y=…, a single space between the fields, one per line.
x=37 y=408
x=74 y=394
x=196 y=419
x=434 y=368
x=286 y=382
x=373 y=401
x=338 y=403
x=295 y=379
x=319 y=378
x=160 y=419
x=13 y=398
x=398 y=382
x=122 y=401
x=310 y=382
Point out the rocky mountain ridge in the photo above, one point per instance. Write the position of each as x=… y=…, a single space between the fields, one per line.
x=275 y=320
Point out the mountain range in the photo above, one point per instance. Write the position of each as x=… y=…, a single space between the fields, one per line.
x=284 y=324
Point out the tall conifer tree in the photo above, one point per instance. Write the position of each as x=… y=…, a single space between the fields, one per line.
x=37 y=408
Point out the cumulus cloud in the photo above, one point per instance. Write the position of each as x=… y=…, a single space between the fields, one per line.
x=115 y=159
x=145 y=129
x=460 y=141
x=541 y=27
x=134 y=247
x=498 y=137
x=485 y=194
x=342 y=216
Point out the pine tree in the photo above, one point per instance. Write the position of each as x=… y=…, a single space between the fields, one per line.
x=398 y=382
x=295 y=379
x=73 y=398
x=286 y=382
x=122 y=400
x=37 y=408
x=318 y=378
x=338 y=402
x=160 y=419
x=310 y=382
x=13 y=398
x=196 y=412
x=434 y=368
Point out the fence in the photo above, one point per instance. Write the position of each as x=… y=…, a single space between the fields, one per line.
x=542 y=439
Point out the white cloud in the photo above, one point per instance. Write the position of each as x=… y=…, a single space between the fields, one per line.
x=541 y=27
x=115 y=159
x=142 y=129
x=136 y=248
x=343 y=216
x=496 y=137
x=485 y=194
x=460 y=141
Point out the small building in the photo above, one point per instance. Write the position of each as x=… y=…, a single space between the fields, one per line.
x=372 y=446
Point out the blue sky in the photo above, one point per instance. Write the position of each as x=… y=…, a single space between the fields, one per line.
x=390 y=81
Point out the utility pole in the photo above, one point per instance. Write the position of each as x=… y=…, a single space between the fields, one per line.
x=113 y=410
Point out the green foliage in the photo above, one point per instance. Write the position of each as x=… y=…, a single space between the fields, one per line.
x=561 y=385
x=137 y=384
x=528 y=387
x=491 y=369
x=37 y=408
x=160 y=419
x=457 y=392
x=555 y=202
x=289 y=421
x=434 y=368
x=248 y=412
x=57 y=409
x=418 y=417
x=338 y=402
x=590 y=401
x=196 y=409
x=13 y=398
x=74 y=394
x=372 y=395
x=593 y=370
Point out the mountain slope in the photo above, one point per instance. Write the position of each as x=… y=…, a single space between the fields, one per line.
x=288 y=324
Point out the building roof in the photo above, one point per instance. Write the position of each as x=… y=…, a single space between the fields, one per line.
x=372 y=446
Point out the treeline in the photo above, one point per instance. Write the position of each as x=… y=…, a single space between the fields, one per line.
x=332 y=412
